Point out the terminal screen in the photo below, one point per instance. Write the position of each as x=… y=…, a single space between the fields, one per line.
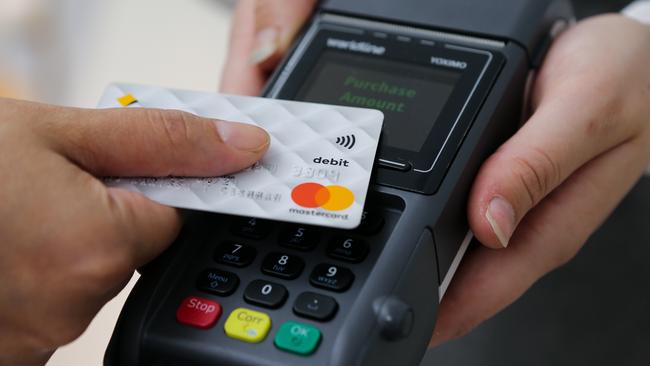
x=410 y=95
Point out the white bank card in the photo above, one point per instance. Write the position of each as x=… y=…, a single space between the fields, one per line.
x=316 y=171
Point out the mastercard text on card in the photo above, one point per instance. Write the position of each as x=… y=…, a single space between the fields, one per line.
x=316 y=171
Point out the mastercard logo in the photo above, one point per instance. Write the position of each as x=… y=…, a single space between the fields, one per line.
x=314 y=195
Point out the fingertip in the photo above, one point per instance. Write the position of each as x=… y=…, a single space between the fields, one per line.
x=244 y=137
x=237 y=146
x=501 y=217
x=266 y=48
x=491 y=217
x=485 y=234
x=276 y=25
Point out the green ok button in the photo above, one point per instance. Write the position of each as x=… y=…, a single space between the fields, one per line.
x=297 y=338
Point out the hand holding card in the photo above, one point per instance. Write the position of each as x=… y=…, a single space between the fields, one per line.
x=69 y=242
x=316 y=171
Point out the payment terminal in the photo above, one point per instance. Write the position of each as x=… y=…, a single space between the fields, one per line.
x=450 y=77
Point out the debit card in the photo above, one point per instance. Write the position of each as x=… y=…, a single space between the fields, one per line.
x=316 y=171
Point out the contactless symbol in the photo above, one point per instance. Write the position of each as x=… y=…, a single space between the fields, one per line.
x=126 y=100
x=346 y=141
x=314 y=195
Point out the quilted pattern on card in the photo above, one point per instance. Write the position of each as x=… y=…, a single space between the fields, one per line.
x=300 y=132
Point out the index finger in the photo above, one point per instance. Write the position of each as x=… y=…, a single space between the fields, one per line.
x=239 y=76
x=261 y=33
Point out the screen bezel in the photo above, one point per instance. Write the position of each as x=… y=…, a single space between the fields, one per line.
x=407 y=53
x=424 y=169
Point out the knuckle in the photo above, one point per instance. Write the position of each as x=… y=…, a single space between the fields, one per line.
x=176 y=127
x=537 y=173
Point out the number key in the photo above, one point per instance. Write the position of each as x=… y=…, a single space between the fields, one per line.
x=331 y=277
x=299 y=237
x=251 y=227
x=315 y=306
x=371 y=223
x=235 y=254
x=218 y=282
x=348 y=249
x=265 y=293
x=283 y=265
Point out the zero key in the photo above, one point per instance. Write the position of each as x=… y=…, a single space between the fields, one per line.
x=265 y=293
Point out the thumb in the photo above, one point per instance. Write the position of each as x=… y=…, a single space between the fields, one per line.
x=145 y=228
x=154 y=142
x=276 y=24
x=558 y=140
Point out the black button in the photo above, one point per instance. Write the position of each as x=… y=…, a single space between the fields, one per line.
x=265 y=293
x=283 y=265
x=395 y=318
x=331 y=277
x=235 y=254
x=299 y=237
x=315 y=306
x=347 y=249
x=251 y=227
x=218 y=282
x=371 y=223
x=400 y=165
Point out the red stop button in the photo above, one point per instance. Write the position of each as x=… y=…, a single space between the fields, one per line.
x=198 y=312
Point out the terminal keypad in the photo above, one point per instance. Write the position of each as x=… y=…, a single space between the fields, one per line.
x=278 y=255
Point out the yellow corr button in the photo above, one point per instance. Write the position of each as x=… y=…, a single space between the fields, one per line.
x=126 y=100
x=247 y=325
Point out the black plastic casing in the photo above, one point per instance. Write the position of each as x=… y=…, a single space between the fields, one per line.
x=526 y=23
x=428 y=232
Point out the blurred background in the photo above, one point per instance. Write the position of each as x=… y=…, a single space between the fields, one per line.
x=67 y=51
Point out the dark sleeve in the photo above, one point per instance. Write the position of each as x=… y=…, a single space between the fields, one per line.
x=585 y=8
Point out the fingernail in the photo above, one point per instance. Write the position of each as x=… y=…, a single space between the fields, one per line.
x=501 y=217
x=242 y=136
x=266 y=44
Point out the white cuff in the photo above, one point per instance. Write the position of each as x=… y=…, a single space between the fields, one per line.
x=639 y=10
